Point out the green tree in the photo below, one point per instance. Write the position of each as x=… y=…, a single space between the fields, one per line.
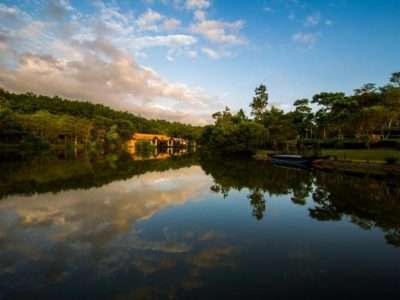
x=279 y=127
x=366 y=89
x=395 y=79
x=303 y=118
x=335 y=108
x=112 y=135
x=259 y=104
x=233 y=133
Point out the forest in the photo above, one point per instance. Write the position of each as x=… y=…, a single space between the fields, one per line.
x=369 y=117
x=30 y=123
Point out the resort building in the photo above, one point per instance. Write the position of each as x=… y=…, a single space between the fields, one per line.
x=157 y=140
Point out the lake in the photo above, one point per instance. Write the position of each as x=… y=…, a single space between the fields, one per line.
x=191 y=227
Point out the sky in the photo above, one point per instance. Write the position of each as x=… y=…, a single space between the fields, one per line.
x=182 y=60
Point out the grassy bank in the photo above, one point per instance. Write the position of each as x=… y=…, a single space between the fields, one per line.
x=363 y=155
x=378 y=156
x=373 y=162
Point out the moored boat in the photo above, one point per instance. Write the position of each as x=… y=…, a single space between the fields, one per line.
x=291 y=160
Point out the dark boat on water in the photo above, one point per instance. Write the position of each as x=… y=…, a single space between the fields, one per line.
x=292 y=160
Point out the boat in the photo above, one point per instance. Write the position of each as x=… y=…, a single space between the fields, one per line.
x=291 y=160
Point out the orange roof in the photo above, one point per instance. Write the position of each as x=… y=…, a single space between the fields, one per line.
x=149 y=136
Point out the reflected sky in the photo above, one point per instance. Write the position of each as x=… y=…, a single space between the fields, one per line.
x=202 y=231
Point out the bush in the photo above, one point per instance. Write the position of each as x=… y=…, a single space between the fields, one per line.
x=391 y=160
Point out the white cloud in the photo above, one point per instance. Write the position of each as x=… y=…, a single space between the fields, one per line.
x=215 y=54
x=313 y=20
x=197 y=4
x=192 y=54
x=59 y=8
x=90 y=58
x=115 y=80
x=210 y=52
x=154 y=21
x=32 y=29
x=305 y=38
x=9 y=11
x=199 y=15
x=220 y=32
x=171 y=24
x=149 y=20
x=174 y=40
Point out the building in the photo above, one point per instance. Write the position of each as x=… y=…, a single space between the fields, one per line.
x=156 y=140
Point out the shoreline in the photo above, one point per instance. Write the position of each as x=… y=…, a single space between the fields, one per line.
x=358 y=168
x=350 y=167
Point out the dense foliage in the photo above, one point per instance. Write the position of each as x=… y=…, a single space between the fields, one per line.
x=76 y=124
x=369 y=116
x=233 y=133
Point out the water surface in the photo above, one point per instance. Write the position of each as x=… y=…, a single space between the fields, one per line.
x=189 y=227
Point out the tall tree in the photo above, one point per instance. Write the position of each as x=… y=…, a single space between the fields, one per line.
x=259 y=103
x=303 y=117
x=365 y=89
x=395 y=79
x=334 y=109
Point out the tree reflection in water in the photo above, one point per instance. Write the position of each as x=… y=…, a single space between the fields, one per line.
x=260 y=178
x=369 y=202
x=135 y=224
x=257 y=201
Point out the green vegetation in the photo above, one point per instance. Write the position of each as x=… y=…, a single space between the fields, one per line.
x=362 y=155
x=370 y=117
x=30 y=122
x=233 y=133
x=355 y=155
x=43 y=174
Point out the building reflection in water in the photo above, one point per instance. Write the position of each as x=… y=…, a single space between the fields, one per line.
x=156 y=153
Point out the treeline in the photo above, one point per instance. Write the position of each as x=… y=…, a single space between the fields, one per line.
x=32 y=121
x=44 y=174
x=368 y=117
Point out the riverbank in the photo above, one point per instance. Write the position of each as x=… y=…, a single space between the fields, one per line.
x=356 y=162
x=358 y=168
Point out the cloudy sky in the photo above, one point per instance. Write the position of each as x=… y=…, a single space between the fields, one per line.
x=184 y=59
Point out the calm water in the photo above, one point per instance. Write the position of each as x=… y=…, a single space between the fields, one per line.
x=114 y=228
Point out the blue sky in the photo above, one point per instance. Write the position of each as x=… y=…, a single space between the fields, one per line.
x=184 y=59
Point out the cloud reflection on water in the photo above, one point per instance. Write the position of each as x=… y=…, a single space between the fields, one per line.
x=96 y=229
